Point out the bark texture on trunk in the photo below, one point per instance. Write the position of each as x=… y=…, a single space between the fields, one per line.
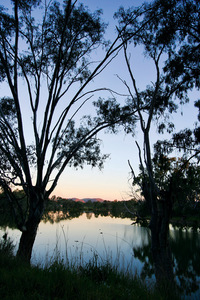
x=29 y=230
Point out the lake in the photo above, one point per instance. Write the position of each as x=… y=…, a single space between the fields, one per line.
x=115 y=240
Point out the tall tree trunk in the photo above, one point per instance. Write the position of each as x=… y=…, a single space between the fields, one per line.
x=161 y=251
x=161 y=207
x=29 y=231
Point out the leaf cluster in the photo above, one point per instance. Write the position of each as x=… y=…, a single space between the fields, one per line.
x=181 y=18
x=115 y=115
x=78 y=147
x=65 y=37
x=176 y=177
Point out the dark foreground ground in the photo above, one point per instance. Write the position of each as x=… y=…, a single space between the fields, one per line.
x=19 y=281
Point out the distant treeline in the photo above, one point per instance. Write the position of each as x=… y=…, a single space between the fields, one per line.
x=58 y=209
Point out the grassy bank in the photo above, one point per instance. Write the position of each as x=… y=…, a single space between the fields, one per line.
x=57 y=281
x=19 y=281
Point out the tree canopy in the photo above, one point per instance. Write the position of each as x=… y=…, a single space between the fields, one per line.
x=47 y=63
x=170 y=39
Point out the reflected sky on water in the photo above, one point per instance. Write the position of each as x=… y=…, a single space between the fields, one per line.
x=107 y=239
x=81 y=239
x=87 y=237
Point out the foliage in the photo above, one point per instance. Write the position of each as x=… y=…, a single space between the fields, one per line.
x=60 y=209
x=6 y=246
x=19 y=281
x=178 y=21
x=46 y=63
x=171 y=35
x=169 y=39
x=9 y=213
x=178 y=179
x=57 y=49
x=183 y=62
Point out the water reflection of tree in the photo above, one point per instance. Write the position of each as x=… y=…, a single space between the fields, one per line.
x=89 y=215
x=57 y=216
x=61 y=209
x=185 y=246
x=143 y=253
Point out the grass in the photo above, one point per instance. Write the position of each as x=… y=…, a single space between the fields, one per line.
x=59 y=281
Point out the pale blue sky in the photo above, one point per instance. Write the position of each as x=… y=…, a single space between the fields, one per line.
x=112 y=182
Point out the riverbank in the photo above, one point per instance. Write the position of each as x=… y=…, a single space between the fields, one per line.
x=21 y=281
x=56 y=281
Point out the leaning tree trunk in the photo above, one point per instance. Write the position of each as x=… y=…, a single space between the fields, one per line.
x=161 y=251
x=29 y=231
x=26 y=243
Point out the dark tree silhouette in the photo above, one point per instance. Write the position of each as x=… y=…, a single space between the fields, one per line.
x=171 y=40
x=46 y=64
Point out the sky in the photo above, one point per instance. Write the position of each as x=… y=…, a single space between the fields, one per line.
x=114 y=181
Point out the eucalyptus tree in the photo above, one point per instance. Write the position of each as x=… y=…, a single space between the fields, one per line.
x=171 y=40
x=46 y=65
x=180 y=23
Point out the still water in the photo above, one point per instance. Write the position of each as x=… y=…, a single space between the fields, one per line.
x=115 y=240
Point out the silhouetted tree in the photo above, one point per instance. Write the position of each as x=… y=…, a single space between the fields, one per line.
x=173 y=32
x=45 y=63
